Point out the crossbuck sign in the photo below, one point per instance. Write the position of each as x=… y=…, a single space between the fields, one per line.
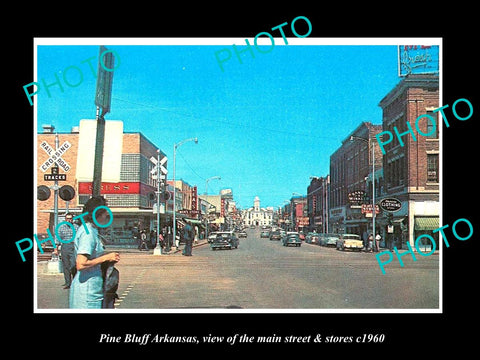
x=159 y=166
x=55 y=156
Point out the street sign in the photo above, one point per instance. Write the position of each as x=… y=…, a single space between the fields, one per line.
x=55 y=156
x=368 y=209
x=55 y=177
x=163 y=170
x=106 y=66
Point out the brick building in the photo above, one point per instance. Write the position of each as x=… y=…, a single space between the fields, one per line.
x=350 y=166
x=299 y=213
x=411 y=166
x=317 y=203
x=127 y=198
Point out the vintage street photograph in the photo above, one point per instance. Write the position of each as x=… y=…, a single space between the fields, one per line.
x=276 y=174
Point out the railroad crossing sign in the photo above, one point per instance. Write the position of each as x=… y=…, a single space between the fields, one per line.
x=55 y=156
x=159 y=165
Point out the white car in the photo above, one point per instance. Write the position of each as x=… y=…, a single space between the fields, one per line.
x=349 y=241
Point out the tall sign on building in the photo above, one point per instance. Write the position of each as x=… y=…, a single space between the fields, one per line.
x=418 y=59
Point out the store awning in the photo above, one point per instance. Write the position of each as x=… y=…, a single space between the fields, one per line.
x=426 y=223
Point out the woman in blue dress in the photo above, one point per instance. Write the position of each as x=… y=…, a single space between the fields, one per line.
x=86 y=291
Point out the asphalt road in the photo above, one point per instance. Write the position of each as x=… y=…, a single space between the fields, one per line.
x=263 y=274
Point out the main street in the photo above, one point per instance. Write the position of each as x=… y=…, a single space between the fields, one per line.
x=263 y=274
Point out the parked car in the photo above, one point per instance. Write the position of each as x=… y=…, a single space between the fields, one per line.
x=291 y=238
x=242 y=234
x=349 y=241
x=265 y=234
x=224 y=240
x=301 y=235
x=312 y=238
x=329 y=239
x=275 y=235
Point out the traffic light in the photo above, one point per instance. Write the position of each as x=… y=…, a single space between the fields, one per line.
x=66 y=192
x=43 y=192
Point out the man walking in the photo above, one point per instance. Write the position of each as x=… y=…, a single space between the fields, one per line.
x=188 y=235
x=67 y=249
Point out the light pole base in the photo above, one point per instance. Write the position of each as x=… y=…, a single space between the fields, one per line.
x=157 y=251
x=54 y=267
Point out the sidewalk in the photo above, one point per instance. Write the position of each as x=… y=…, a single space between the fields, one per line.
x=134 y=248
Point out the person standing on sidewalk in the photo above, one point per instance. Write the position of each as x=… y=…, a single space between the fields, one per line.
x=377 y=242
x=86 y=291
x=370 y=243
x=67 y=249
x=143 y=241
x=188 y=235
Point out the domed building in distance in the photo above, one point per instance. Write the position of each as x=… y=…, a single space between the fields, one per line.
x=256 y=215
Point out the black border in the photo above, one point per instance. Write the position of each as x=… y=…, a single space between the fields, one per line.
x=423 y=333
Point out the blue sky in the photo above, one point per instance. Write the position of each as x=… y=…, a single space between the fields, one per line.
x=265 y=126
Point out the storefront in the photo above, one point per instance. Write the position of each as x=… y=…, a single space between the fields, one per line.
x=337 y=220
x=413 y=219
x=426 y=225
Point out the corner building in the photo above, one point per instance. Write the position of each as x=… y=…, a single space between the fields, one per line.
x=128 y=199
x=411 y=171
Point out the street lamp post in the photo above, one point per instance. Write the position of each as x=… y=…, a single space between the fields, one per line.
x=206 y=198
x=374 y=211
x=175 y=146
x=158 y=248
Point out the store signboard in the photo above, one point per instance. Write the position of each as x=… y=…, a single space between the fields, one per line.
x=418 y=59
x=391 y=204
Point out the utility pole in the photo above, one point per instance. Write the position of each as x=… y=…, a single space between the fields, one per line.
x=103 y=96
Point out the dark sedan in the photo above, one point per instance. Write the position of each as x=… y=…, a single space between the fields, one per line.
x=292 y=239
x=275 y=235
x=224 y=240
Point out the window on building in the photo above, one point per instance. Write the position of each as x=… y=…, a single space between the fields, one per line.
x=431 y=126
x=432 y=167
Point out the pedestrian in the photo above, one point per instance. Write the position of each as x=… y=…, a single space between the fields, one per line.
x=370 y=243
x=67 y=249
x=86 y=291
x=153 y=239
x=365 y=239
x=143 y=241
x=389 y=242
x=188 y=236
x=161 y=239
x=195 y=241
x=136 y=237
x=378 y=238
x=177 y=240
